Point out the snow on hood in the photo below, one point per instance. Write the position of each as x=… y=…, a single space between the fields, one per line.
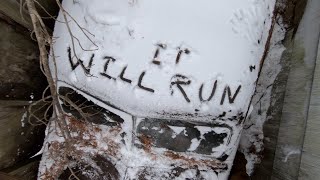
x=165 y=58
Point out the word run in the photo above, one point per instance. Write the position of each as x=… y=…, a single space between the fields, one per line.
x=178 y=82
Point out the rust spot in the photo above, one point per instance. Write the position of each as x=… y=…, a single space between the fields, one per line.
x=147 y=143
x=214 y=164
x=113 y=148
x=83 y=136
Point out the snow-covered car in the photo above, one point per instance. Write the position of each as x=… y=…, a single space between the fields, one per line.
x=173 y=78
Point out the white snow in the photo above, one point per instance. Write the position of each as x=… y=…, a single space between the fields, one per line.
x=24 y=119
x=252 y=135
x=194 y=144
x=218 y=41
x=177 y=130
x=290 y=151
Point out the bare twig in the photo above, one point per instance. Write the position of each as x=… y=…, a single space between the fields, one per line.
x=43 y=38
x=59 y=117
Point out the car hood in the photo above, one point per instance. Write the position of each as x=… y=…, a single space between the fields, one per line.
x=173 y=59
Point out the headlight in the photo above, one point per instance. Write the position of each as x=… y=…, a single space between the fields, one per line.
x=186 y=137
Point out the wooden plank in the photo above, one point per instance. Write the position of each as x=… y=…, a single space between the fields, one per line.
x=310 y=160
x=20 y=80
x=26 y=170
x=20 y=75
x=293 y=118
x=19 y=140
x=5 y=176
x=11 y=8
x=296 y=104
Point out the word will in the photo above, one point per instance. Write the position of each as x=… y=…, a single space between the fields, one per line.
x=178 y=82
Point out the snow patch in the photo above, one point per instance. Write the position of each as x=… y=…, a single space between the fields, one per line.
x=177 y=130
x=252 y=135
x=136 y=36
x=194 y=144
x=23 y=119
x=290 y=152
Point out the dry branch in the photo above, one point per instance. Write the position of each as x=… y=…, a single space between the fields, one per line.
x=44 y=39
x=59 y=116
